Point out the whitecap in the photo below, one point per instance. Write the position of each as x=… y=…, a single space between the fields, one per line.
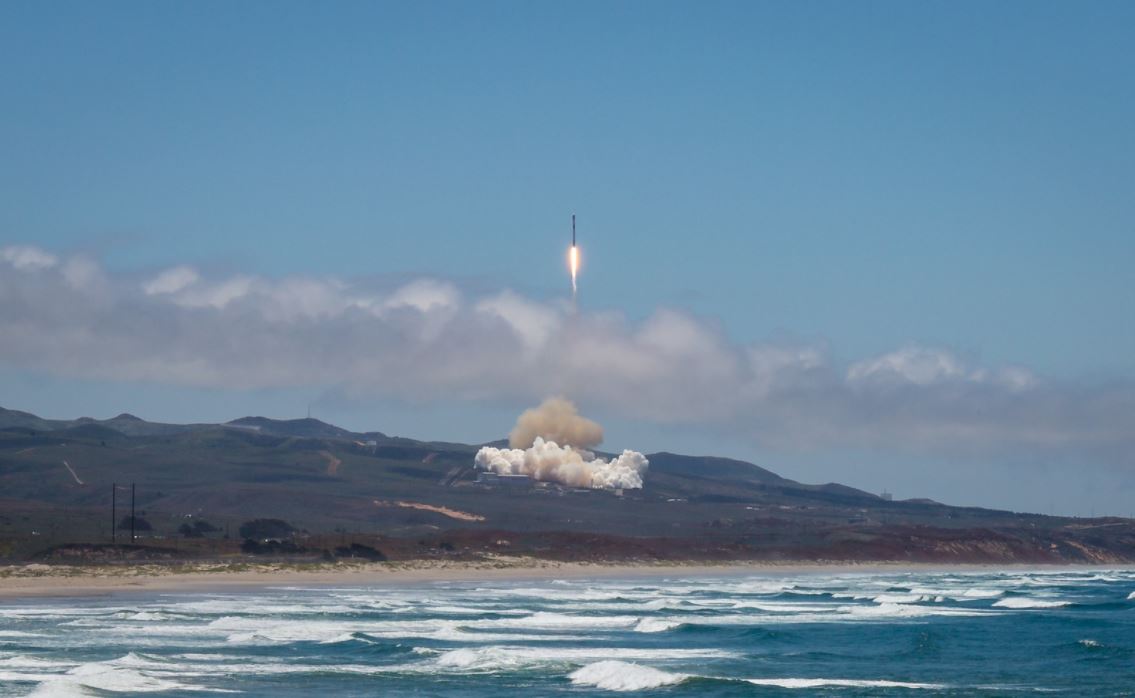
x=1017 y=602
x=612 y=675
x=504 y=657
x=780 y=607
x=153 y=616
x=894 y=610
x=136 y=660
x=213 y=657
x=843 y=683
x=655 y=625
x=347 y=637
x=555 y=621
x=485 y=658
x=902 y=598
x=22 y=661
x=19 y=633
x=105 y=676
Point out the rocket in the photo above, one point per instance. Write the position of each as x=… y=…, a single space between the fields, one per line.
x=573 y=230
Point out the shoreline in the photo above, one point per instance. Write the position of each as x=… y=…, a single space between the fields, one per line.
x=40 y=581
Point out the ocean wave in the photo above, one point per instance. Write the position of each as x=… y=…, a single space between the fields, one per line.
x=343 y=638
x=959 y=594
x=781 y=607
x=613 y=675
x=108 y=676
x=890 y=611
x=484 y=658
x=1017 y=602
x=451 y=610
x=610 y=635
x=151 y=616
x=258 y=607
x=557 y=621
x=138 y=660
x=49 y=613
x=844 y=683
x=905 y=598
x=846 y=613
x=656 y=625
x=22 y=661
x=562 y=594
x=503 y=658
x=214 y=657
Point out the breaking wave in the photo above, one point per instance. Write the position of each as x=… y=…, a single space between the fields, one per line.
x=843 y=683
x=717 y=636
x=1018 y=602
x=613 y=675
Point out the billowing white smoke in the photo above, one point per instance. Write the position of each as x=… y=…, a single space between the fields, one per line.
x=537 y=453
x=547 y=461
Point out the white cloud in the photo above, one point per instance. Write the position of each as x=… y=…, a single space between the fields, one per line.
x=27 y=257
x=428 y=341
x=912 y=364
x=424 y=295
x=82 y=274
x=171 y=281
x=532 y=322
x=214 y=294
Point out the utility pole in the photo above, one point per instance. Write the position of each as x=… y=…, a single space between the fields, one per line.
x=113 y=513
x=133 y=520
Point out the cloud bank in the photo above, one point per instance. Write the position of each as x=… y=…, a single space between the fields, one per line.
x=429 y=340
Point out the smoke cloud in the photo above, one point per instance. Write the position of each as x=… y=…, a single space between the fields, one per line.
x=547 y=461
x=550 y=443
x=556 y=419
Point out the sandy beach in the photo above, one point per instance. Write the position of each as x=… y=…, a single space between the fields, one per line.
x=38 y=580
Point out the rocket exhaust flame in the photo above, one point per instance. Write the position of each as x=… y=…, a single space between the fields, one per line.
x=573 y=265
x=573 y=259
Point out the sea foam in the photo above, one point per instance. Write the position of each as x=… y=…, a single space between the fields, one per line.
x=1017 y=602
x=842 y=683
x=498 y=658
x=613 y=675
x=655 y=625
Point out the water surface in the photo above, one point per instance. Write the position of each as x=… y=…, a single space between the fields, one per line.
x=996 y=634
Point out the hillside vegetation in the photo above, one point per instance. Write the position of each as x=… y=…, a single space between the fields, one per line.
x=336 y=488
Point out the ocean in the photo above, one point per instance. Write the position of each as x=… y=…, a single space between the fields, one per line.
x=865 y=634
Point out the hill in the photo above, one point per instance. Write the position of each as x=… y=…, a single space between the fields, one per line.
x=56 y=478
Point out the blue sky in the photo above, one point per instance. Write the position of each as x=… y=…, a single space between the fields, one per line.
x=858 y=177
